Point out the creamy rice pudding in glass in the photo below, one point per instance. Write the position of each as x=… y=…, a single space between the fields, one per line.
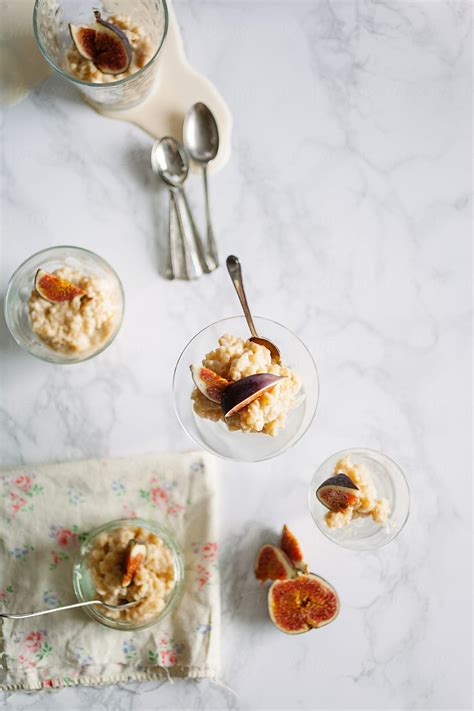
x=252 y=408
x=105 y=81
x=129 y=560
x=73 y=329
x=359 y=499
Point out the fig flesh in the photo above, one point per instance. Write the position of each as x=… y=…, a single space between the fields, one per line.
x=105 y=44
x=54 y=288
x=302 y=604
x=84 y=40
x=290 y=545
x=209 y=383
x=242 y=392
x=338 y=492
x=273 y=564
x=135 y=555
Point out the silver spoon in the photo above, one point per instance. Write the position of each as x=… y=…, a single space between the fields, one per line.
x=24 y=615
x=201 y=138
x=233 y=267
x=170 y=162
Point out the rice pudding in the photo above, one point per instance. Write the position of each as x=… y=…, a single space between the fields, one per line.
x=81 y=324
x=142 y=52
x=152 y=582
x=235 y=359
x=367 y=503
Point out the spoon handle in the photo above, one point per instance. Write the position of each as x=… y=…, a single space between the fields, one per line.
x=171 y=265
x=207 y=265
x=211 y=242
x=192 y=266
x=24 y=615
x=233 y=267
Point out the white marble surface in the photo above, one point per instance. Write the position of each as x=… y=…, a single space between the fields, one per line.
x=348 y=201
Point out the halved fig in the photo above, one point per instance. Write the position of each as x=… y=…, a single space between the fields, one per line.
x=273 y=564
x=54 y=288
x=105 y=44
x=135 y=555
x=209 y=383
x=289 y=545
x=302 y=604
x=338 y=492
x=84 y=40
x=242 y=392
x=112 y=50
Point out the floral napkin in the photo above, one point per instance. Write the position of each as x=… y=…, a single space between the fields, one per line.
x=45 y=513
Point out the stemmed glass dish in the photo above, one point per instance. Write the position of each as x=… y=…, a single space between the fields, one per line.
x=246 y=446
x=363 y=533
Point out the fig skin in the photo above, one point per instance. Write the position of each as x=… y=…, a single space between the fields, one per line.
x=338 y=492
x=209 y=383
x=135 y=555
x=291 y=547
x=273 y=564
x=55 y=289
x=302 y=604
x=242 y=392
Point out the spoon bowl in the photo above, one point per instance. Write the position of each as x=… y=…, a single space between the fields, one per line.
x=169 y=161
x=200 y=133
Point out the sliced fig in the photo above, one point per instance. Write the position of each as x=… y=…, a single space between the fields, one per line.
x=242 y=392
x=135 y=555
x=273 y=564
x=112 y=50
x=54 y=288
x=289 y=545
x=209 y=383
x=302 y=604
x=338 y=492
x=84 y=40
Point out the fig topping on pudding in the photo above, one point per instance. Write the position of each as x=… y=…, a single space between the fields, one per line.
x=209 y=383
x=54 y=288
x=338 y=492
x=242 y=392
x=105 y=44
x=135 y=555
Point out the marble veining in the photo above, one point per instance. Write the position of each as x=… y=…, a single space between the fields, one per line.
x=348 y=200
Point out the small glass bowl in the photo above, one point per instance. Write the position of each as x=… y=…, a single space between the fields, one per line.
x=84 y=587
x=245 y=446
x=21 y=285
x=362 y=533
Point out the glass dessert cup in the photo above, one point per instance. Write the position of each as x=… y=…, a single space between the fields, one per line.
x=84 y=587
x=50 y=23
x=246 y=446
x=21 y=285
x=363 y=533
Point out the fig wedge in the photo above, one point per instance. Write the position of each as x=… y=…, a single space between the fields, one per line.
x=135 y=555
x=209 y=383
x=242 y=392
x=273 y=564
x=302 y=603
x=338 y=492
x=112 y=50
x=291 y=547
x=56 y=289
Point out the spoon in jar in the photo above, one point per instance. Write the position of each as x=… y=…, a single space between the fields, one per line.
x=201 y=139
x=170 y=162
x=24 y=615
x=233 y=267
